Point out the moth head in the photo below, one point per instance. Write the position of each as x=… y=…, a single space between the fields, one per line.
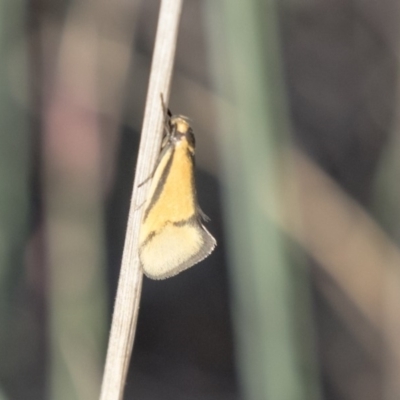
x=180 y=126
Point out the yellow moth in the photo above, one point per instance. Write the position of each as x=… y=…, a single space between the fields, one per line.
x=172 y=237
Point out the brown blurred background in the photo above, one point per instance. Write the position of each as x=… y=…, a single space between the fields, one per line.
x=73 y=86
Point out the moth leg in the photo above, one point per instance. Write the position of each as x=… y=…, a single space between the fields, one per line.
x=148 y=178
x=202 y=214
x=140 y=206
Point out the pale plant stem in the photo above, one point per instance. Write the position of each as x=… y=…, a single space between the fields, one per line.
x=130 y=283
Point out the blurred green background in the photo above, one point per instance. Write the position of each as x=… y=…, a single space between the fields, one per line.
x=295 y=110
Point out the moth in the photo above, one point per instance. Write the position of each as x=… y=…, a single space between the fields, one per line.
x=172 y=235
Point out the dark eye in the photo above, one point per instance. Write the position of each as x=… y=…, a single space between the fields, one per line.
x=190 y=137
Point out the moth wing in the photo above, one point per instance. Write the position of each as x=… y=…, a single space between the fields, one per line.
x=172 y=237
x=175 y=249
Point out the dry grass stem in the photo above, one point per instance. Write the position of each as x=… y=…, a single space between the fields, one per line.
x=130 y=283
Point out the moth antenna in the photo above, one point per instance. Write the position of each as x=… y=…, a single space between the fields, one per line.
x=167 y=113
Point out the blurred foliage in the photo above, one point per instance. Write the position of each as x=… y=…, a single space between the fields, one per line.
x=304 y=102
x=256 y=132
x=15 y=177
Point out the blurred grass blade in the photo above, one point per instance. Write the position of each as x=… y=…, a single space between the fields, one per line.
x=387 y=200
x=246 y=60
x=14 y=176
x=14 y=161
x=74 y=229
